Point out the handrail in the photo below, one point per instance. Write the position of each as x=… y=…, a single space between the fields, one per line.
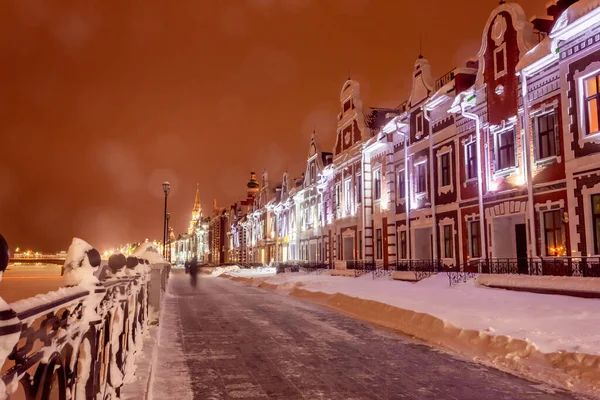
x=90 y=335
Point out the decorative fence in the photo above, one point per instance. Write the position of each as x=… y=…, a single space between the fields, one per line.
x=300 y=266
x=588 y=267
x=79 y=342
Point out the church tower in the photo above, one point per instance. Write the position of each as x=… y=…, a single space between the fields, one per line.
x=196 y=211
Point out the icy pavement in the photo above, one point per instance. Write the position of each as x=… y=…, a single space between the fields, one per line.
x=225 y=340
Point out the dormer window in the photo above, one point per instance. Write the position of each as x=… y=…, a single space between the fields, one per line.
x=419 y=125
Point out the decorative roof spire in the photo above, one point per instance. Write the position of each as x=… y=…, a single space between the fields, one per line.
x=197 y=199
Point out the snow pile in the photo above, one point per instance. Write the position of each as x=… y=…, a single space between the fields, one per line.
x=545 y=337
x=149 y=251
x=78 y=270
x=222 y=270
x=254 y=272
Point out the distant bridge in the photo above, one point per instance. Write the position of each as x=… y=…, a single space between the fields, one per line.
x=39 y=259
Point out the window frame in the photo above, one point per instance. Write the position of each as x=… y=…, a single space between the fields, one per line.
x=348 y=195
x=474 y=240
x=595 y=222
x=358 y=188
x=420 y=178
x=401 y=185
x=378 y=244
x=419 y=120
x=377 y=184
x=448 y=235
x=502 y=72
x=470 y=152
x=401 y=245
x=557 y=232
x=510 y=149
x=551 y=133
x=587 y=99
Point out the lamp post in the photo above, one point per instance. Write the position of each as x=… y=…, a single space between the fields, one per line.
x=168 y=240
x=166 y=188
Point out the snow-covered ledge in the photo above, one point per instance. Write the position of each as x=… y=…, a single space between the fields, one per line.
x=92 y=329
x=579 y=286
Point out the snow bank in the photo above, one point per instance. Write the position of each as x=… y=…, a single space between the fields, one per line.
x=254 y=272
x=543 y=337
x=221 y=270
x=555 y=283
x=149 y=251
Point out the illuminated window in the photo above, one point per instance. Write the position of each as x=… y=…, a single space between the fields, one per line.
x=553 y=233
x=596 y=222
x=475 y=239
x=313 y=173
x=505 y=149
x=379 y=245
x=377 y=184
x=592 y=104
x=348 y=195
x=545 y=126
x=420 y=178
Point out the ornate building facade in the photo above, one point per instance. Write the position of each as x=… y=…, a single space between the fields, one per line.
x=499 y=158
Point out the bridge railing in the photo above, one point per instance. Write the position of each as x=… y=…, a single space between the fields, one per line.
x=79 y=342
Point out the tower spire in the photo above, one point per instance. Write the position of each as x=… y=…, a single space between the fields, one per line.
x=197 y=199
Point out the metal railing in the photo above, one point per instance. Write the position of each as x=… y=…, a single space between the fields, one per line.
x=300 y=266
x=80 y=342
x=539 y=266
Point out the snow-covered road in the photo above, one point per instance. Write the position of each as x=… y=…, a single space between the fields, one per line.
x=226 y=340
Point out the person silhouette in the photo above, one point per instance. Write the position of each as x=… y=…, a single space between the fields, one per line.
x=193 y=271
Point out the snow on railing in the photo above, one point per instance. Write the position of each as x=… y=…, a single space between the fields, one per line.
x=81 y=341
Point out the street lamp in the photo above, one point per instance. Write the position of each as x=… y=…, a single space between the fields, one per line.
x=166 y=188
x=168 y=242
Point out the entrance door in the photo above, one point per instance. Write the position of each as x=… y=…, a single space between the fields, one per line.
x=348 y=245
x=521 y=242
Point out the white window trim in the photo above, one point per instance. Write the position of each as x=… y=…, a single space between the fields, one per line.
x=592 y=69
x=348 y=196
x=446 y=188
x=466 y=143
x=504 y=172
x=587 y=216
x=419 y=133
x=499 y=74
x=542 y=208
x=450 y=261
x=469 y=219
